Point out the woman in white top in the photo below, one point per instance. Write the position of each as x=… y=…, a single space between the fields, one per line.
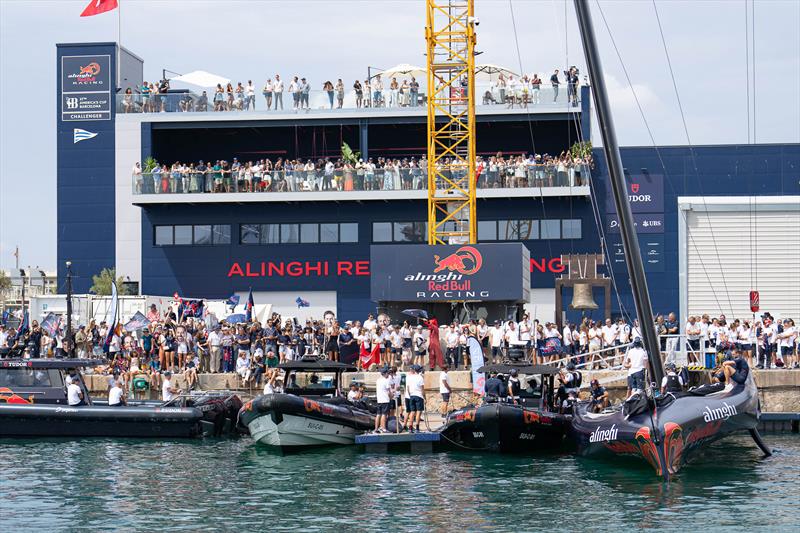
x=595 y=342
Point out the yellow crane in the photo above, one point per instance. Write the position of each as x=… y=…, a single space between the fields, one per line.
x=450 y=35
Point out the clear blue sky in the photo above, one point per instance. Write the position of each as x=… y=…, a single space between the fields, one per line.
x=339 y=38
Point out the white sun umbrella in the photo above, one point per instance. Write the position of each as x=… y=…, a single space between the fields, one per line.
x=489 y=70
x=201 y=78
x=403 y=69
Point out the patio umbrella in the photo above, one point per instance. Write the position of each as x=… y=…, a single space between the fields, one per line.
x=403 y=69
x=488 y=69
x=238 y=318
x=201 y=78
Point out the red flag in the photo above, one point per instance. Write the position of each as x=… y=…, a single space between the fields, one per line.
x=96 y=7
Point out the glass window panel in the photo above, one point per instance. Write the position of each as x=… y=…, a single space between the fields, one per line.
x=409 y=231
x=487 y=230
x=249 y=233
x=382 y=232
x=309 y=233
x=163 y=235
x=551 y=229
x=348 y=232
x=183 y=235
x=571 y=228
x=202 y=234
x=222 y=234
x=329 y=233
x=290 y=233
x=527 y=230
x=270 y=233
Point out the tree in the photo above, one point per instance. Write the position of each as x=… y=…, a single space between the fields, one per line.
x=101 y=283
x=350 y=156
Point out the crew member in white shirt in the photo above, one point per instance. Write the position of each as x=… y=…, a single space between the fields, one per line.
x=635 y=362
x=383 y=392
x=444 y=389
x=116 y=396
x=415 y=386
x=496 y=342
x=167 y=390
x=74 y=393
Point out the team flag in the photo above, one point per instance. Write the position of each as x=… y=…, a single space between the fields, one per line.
x=137 y=321
x=96 y=7
x=249 y=306
x=302 y=303
x=112 y=325
x=233 y=301
x=51 y=324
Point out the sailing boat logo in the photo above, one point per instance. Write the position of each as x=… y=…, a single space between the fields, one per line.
x=79 y=135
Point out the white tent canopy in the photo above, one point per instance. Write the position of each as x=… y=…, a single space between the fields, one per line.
x=403 y=69
x=201 y=78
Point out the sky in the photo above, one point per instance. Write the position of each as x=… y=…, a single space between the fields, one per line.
x=254 y=39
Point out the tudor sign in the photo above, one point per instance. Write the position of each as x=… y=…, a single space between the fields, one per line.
x=417 y=273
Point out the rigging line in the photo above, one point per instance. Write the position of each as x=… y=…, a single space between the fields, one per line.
x=655 y=146
x=530 y=127
x=753 y=42
x=747 y=64
x=595 y=207
x=692 y=154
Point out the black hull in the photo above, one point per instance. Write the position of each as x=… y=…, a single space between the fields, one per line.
x=505 y=428
x=677 y=430
x=98 y=421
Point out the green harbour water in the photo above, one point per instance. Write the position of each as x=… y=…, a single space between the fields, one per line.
x=235 y=485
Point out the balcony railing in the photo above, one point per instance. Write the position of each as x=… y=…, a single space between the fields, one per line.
x=488 y=97
x=343 y=181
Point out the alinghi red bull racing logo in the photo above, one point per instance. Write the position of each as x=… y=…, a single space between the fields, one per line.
x=466 y=260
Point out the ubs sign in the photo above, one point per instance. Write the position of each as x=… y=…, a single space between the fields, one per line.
x=86 y=88
x=411 y=273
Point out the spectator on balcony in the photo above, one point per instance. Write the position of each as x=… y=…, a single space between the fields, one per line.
x=572 y=86
x=328 y=88
x=250 y=94
x=267 y=92
x=359 y=90
x=229 y=96
x=145 y=90
x=202 y=103
x=277 y=90
x=339 y=93
x=293 y=90
x=414 y=91
x=367 y=93
x=377 y=92
x=501 y=88
x=305 y=90
x=219 y=98
x=536 y=85
x=554 y=81
x=127 y=101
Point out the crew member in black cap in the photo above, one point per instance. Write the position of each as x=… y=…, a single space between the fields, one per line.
x=494 y=388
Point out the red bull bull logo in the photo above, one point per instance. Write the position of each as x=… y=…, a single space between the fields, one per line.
x=467 y=260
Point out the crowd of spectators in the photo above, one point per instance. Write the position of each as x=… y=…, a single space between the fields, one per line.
x=193 y=345
x=378 y=91
x=326 y=174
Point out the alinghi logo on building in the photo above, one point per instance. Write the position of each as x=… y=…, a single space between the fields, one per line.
x=79 y=135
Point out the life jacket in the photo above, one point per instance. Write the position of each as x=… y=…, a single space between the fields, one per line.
x=577 y=379
x=515 y=387
x=673 y=383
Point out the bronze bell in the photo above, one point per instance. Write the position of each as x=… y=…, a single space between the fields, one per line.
x=582 y=297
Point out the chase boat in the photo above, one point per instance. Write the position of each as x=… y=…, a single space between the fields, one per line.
x=33 y=402
x=303 y=416
x=667 y=431
x=532 y=425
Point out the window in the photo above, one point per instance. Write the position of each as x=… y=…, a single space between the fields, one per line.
x=183 y=235
x=202 y=234
x=163 y=235
x=222 y=234
x=409 y=231
x=329 y=233
x=571 y=228
x=487 y=230
x=348 y=232
x=551 y=229
x=290 y=233
x=270 y=234
x=309 y=233
x=382 y=232
x=249 y=233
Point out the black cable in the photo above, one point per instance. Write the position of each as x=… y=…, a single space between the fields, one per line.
x=692 y=154
x=653 y=141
